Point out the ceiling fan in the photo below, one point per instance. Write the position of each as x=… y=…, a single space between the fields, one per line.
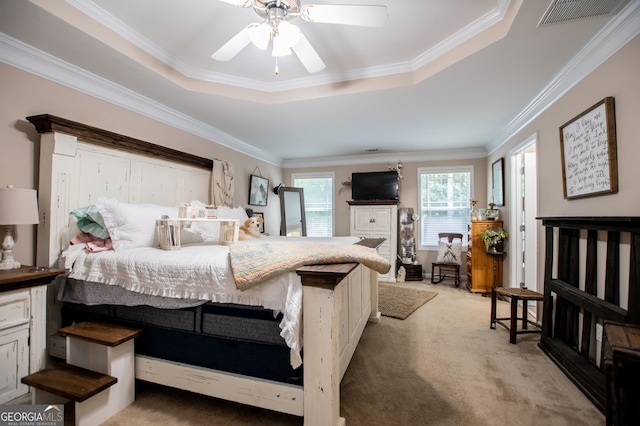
x=286 y=37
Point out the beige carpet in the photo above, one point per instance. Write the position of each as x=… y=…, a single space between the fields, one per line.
x=400 y=301
x=441 y=366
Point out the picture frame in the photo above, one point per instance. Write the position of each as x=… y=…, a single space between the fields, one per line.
x=588 y=146
x=261 y=215
x=258 y=190
x=497 y=182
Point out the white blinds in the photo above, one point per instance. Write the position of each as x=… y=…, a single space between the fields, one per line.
x=318 y=204
x=444 y=204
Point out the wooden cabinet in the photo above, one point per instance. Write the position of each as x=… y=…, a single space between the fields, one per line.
x=479 y=263
x=22 y=328
x=377 y=219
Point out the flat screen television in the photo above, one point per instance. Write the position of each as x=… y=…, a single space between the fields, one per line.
x=374 y=185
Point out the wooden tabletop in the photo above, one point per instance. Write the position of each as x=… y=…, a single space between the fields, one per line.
x=624 y=336
x=27 y=276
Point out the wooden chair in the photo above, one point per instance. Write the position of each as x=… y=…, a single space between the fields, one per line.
x=447 y=265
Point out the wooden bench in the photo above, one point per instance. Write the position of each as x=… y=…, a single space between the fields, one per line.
x=99 y=376
x=515 y=294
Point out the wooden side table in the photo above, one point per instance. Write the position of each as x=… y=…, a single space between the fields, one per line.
x=414 y=272
x=495 y=256
x=27 y=276
x=621 y=358
x=23 y=303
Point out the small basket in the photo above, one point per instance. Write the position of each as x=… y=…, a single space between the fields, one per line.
x=168 y=234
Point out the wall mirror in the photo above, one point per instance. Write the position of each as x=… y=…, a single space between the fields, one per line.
x=292 y=220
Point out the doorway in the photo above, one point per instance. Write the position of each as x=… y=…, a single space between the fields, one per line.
x=524 y=207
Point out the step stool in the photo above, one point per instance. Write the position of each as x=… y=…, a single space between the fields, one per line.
x=77 y=388
x=103 y=349
x=515 y=294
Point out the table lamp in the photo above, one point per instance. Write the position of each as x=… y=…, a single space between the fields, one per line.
x=17 y=207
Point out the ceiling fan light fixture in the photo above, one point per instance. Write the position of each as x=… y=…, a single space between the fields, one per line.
x=260 y=35
x=288 y=38
x=288 y=33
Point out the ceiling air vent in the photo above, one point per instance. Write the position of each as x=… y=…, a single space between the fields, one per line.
x=570 y=10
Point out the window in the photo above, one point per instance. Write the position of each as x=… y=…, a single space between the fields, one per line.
x=444 y=195
x=318 y=201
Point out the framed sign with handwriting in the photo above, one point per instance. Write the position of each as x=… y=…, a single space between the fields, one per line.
x=589 y=152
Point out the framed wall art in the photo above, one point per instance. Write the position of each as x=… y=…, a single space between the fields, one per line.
x=589 y=152
x=258 y=190
x=497 y=178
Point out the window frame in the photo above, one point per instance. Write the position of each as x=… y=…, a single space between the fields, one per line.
x=323 y=175
x=468 y=168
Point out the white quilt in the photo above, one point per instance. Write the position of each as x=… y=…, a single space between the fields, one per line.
x=199 y=271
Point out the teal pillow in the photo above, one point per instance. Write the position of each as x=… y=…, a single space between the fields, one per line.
x=90 y=220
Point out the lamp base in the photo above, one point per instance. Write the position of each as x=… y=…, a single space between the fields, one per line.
x=7 y=261
x=9 y=265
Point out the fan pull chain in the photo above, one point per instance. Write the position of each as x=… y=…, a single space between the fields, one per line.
x=277 y=70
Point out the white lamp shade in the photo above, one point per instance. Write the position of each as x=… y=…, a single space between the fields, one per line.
x=288 y=33
x=18 y=206
x=260 y=35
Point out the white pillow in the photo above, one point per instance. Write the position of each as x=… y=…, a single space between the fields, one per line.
x=190 y=236
x=239 y=213
x=449 y=252
x=132 y=225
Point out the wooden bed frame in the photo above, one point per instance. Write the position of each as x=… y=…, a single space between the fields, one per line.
x=79 y=163
x=577 y=302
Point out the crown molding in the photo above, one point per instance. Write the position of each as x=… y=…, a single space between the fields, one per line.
x=617 y=33
x=385 y=157
x=27 y=58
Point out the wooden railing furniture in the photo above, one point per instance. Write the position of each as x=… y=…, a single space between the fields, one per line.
x=573 y=312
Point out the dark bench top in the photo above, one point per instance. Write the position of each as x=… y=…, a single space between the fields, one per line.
x=69 y=381
x=101 y=333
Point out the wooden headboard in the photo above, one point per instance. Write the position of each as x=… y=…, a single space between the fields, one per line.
x=80 y=163
x=597 y=278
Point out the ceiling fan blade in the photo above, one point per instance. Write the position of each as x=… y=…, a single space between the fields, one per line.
x=234 y=46
x=239 y=3
x=361 y=15
x=308 y=55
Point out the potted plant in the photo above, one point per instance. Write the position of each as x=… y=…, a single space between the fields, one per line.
x=493 y=237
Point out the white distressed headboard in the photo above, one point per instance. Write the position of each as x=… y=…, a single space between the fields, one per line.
x=79 y=164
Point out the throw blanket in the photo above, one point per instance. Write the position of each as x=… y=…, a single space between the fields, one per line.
x=253 y=263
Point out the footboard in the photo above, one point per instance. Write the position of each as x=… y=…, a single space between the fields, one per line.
x=338 y=300
x=580 y=298
x=332 y=303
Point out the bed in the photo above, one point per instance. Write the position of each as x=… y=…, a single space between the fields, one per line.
x=81 y=165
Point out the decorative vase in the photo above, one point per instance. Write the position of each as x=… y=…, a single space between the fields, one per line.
x=496 y=246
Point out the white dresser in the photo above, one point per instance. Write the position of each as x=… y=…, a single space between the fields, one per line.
x=377 y=219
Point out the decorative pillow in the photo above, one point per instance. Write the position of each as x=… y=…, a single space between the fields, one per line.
x=132 y=225
x=449 y=252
